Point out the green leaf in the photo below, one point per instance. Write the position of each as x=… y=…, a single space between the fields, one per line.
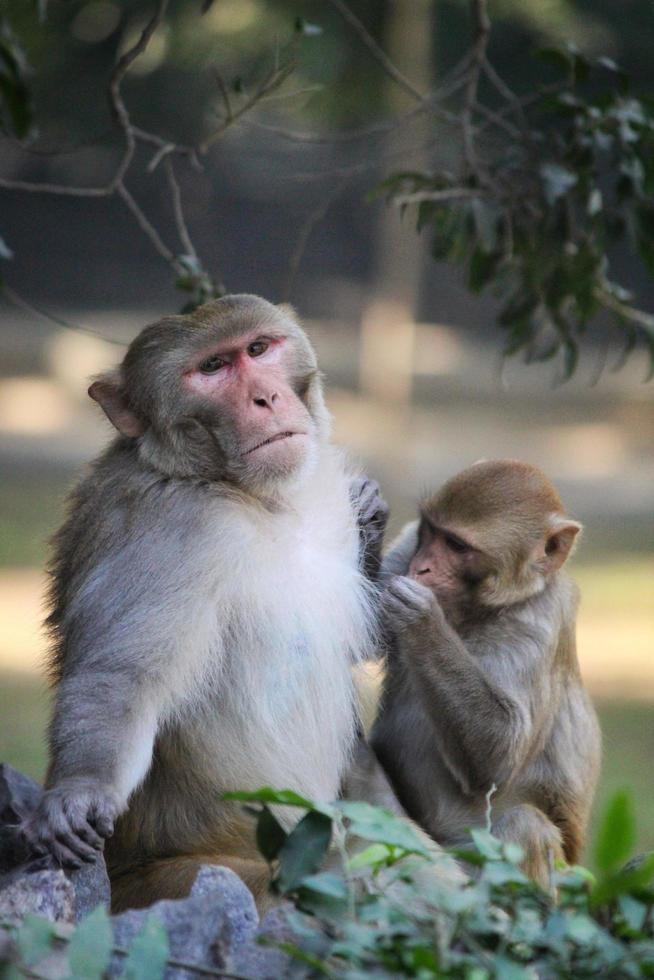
x=284 y=797
x=487 y=845
x=148 y=953
x=270 y=834
x=326 y=883
x=303 y=850
x=374 y=856
x=617 y=833
x=89 y=950
x=570 y=358
x=633 y=912
x=557 y=181
x=376 y=824
x=34 y=939
x=303 y=26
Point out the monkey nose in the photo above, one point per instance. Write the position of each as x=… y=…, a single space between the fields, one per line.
x=266 y=401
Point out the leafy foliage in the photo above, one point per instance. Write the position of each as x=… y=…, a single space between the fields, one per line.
x=548 y=185
x=377 y=917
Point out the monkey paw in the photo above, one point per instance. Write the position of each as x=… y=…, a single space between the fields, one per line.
x=71 y=822
x=370 y=506
x=406 y=602
x=371 y=513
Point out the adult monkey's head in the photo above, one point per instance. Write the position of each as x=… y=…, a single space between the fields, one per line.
x=230 y=392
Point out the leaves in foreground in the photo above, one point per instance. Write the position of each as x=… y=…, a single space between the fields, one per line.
x=372 y=913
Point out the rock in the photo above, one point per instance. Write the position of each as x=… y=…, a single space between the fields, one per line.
x=261 y=959
x=19 y=795
x=48 y=894
x=206 y=928
x=92 y=888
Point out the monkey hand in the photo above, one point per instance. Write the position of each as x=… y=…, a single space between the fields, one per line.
x=406 y=603
x=71 y=822
x=372 y=514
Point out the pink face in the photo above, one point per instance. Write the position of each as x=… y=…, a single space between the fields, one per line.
x=444 y=561
x=247 y=379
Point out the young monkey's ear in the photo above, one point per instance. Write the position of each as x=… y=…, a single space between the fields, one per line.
x=108 y=392
x=558 y=543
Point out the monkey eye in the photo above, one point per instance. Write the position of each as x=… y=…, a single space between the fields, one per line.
x=212 y=364
x=455 y=544
x=258 y=347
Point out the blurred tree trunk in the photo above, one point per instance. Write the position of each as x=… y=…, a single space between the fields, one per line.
x=388 y=325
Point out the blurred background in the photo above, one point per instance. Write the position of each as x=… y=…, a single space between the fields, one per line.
x=282 y=207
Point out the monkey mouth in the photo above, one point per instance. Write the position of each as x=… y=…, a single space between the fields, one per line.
x=275 y=438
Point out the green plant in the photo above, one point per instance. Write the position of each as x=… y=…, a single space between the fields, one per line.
x=373 y=918
x=547 y=185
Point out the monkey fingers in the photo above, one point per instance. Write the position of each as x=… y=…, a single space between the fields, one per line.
x=406 y=602
x=63 y=825
x=371 y=507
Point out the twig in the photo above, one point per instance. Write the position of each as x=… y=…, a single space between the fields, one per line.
x=313 y=218
x=448 y=194
x=149 y=229
x=178 y=211
x=377 y=53
x=631 y=313
x=276 y=78
x=17 y=300
x=478 y=54
x=224 y=92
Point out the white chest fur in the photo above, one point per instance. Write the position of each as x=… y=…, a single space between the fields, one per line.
x=281 y=708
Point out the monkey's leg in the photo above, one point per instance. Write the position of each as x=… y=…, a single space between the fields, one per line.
x=528 y=826
x=173 y=877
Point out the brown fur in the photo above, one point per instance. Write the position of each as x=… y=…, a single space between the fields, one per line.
x=482 y=687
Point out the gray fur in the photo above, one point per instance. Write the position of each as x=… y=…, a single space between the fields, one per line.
x=204 y=613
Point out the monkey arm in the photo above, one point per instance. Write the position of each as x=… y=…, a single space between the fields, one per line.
x=129 y=648
x=482 y=707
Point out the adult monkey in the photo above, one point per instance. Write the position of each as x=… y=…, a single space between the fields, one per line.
x=207 y=602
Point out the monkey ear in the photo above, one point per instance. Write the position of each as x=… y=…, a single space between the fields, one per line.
x=558 y=545
x=108 y=393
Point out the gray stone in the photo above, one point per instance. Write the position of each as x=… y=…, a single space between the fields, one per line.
x=19 y=794
x=261 y=959
x=48 y=894
x=206 y=928
x=92 y=888
x=18 y=797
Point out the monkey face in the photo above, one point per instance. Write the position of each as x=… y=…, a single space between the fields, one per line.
x=230 y=393
x=492 y=536
x=245 y=392
x=447 y=562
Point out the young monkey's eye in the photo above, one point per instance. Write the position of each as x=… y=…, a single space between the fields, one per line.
x=456 y=544
x=212 y=364
x=257 y=347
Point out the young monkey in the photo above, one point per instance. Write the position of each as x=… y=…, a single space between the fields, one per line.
x=482 y=688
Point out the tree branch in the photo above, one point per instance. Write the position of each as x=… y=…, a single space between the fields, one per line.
x=178 y=211
x=377 y=53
